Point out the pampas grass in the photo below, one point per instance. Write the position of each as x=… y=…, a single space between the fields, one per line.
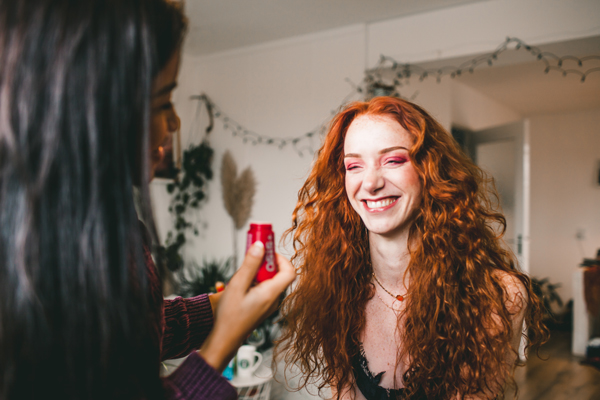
x=228 y=178
x=238 y=195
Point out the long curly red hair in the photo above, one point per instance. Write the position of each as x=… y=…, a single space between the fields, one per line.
x=456 y=253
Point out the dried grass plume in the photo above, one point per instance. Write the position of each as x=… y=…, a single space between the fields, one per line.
x=238 y=192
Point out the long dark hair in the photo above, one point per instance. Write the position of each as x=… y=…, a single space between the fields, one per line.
x=76 y=320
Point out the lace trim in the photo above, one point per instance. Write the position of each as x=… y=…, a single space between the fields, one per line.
x=370 y=387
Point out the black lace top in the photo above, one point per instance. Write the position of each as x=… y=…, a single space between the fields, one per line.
x=368 y=383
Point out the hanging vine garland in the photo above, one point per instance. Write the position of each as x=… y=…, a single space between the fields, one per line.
x=188 y=192
x=301 y=144
x=375 y=84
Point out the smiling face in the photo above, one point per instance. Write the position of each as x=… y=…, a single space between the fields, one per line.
x=381 y=181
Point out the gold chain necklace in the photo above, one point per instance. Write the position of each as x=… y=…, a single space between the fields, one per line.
x=387 y=305
x=398 y=297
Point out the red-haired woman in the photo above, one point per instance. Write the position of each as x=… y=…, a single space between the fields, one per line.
x=405 y=290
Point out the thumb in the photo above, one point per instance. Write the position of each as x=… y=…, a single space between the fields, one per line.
x=252 y=261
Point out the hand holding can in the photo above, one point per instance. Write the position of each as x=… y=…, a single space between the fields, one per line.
x=263 y=232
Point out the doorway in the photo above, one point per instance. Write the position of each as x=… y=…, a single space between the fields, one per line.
x=503 y=153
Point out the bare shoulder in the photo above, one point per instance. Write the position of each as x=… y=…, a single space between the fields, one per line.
x=515 y=293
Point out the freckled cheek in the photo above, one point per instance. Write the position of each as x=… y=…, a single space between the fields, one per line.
x=417 y=188
x=415 y=183
x=351 y=189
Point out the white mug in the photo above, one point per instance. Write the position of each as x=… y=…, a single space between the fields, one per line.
x=248 y=361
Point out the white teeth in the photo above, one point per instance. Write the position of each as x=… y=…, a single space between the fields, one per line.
x=380 y=203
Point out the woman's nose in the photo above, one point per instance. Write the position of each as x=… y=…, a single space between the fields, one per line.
x=173 y=121
x=158 y=155
x=373 y=180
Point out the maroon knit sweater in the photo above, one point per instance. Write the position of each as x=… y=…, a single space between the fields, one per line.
x=185 y=325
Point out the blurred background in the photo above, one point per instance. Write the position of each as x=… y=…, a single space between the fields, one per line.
x=273 y=72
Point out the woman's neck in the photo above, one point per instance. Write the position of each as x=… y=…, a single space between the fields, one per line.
x=390 y=259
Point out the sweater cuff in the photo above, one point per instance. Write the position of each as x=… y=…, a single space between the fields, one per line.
x=196 y=380
x=201 y=318
x=187 y=323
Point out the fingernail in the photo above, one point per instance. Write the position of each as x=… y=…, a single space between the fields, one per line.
x=257 y=249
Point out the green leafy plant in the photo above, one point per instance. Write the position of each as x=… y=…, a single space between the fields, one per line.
x=267 y=332
x=198 y=279
x=547 y=292
x=188 y=190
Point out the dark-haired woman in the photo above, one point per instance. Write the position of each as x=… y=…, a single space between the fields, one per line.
x=83 y=98
x=405 y=290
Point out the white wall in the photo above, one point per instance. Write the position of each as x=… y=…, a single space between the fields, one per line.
x=499 y=160
x=280 y=90
x=565 y=195
x=289 y=87
x=475 y=111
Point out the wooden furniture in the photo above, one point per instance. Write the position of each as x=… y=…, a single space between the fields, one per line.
x=582 y=327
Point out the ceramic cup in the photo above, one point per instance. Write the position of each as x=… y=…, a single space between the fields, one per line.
x=248 y=360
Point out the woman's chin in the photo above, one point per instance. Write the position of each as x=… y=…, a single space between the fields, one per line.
x=387 y=231
x=382 y=231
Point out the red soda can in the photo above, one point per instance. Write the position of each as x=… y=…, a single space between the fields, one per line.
x=263 y=232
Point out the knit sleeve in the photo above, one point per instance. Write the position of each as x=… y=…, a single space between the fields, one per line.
x=196 y=380
x=187 y=323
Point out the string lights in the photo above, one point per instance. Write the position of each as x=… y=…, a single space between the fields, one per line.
x=375 y=81
x=302 y=144
x=375 y=84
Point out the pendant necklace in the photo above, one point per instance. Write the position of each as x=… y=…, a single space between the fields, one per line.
x=398 y=297
x=395 y=310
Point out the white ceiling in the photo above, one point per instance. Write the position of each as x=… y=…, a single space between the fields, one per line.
x=516 y=80
x=218 y=25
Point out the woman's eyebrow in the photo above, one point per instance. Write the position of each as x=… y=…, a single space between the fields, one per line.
x=165 y=89
x=388 y=149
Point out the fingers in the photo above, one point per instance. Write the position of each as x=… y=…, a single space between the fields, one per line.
x=214 y=300
x=287 y=272
x=284 y=277
x=245 y=275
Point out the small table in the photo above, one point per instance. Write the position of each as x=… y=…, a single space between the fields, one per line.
x=258 y=387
